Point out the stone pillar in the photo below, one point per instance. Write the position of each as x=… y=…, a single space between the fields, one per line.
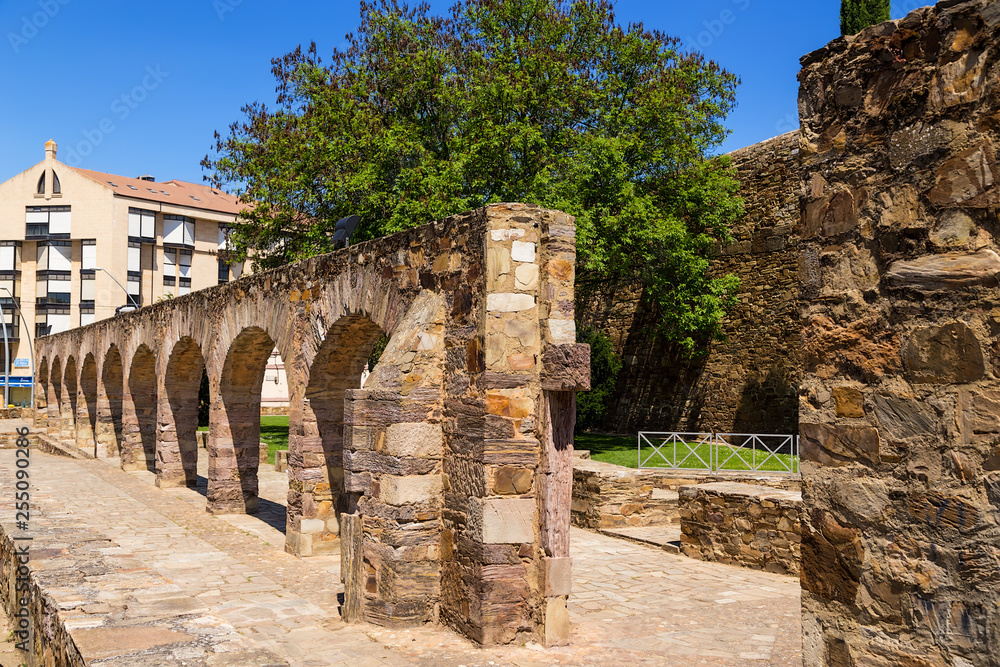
x=900 y=403
x=84 y=430
x=106 y=434
x=393 y=446
x=176 y=433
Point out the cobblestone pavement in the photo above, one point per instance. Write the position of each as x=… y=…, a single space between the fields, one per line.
x=632 y=604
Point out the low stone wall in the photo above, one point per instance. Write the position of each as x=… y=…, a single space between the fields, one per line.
x=610 y=496
x=274 y=411
x=742 y=524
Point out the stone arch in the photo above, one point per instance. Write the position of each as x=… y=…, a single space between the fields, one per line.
x=55 y=399
x=139 y=412
x=316 y=439
x=71 y=385
x=234 y=440
x=110 y=395
x=177 y=443
x=87 y=417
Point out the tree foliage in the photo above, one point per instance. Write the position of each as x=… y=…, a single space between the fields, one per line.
x=605 y=365
x=856 y=15
x=543 y=101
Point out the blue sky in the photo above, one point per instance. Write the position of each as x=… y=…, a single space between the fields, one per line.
x=139 y=87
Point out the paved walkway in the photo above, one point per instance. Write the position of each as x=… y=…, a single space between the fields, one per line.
x=632 y=604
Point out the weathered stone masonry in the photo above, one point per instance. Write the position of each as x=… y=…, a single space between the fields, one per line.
x=446 y=479
x=900 y=404
x=749 y=381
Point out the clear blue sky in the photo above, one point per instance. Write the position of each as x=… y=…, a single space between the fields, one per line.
x=139 y=87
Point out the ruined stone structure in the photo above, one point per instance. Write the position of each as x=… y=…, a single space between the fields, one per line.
x=742 y=524
x=749 y=381
x=900 y=404
x=446 y=478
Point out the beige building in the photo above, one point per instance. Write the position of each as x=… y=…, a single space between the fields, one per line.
x=67 y=234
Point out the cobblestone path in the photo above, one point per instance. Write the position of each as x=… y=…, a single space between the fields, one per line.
x=631 y=604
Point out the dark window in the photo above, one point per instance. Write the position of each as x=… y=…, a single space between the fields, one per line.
x=56 y=186
x=41 y=184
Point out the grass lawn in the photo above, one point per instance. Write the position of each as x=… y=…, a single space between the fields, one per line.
x=621 y=450
x=273 y=431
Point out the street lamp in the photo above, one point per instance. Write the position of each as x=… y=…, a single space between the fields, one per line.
x=31 y=349
x=108 y=274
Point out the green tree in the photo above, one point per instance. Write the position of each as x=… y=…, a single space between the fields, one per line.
x=605 y=365
x=543 y=101
x=856 y=15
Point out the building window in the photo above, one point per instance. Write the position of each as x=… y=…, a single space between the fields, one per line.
x=86 y=316
x=52 y=321
x=178 y=230
x=88 y=290
x=10 y=256
x=55 y=256
x=177 y=269
x=43 y=222
x=134 y=281
x=13 y=324
x=88 y=255
x=142 y=225
x=41 y=184
x=56 y=185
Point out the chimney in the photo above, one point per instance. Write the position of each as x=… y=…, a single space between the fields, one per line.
x=147 y=177
x=50 y=149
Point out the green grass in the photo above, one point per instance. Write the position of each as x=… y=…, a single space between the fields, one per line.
x=273 y=431
x=621 y=450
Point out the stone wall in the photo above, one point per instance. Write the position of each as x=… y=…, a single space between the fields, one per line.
x=445 y=481
x=742 y=524
x=900 y=402
x=749 y=382
x=610 y=496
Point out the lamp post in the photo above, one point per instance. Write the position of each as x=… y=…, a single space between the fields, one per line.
x=31 y=345
x=108 y=274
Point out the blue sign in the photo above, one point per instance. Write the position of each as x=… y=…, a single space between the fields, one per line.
x=18 y=381
x=21 y=363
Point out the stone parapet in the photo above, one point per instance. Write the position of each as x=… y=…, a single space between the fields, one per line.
x=742 y=524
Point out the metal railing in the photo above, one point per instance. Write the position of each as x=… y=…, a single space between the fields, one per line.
x=715 y=452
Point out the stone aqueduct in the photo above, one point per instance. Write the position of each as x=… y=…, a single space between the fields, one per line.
x=446 y=478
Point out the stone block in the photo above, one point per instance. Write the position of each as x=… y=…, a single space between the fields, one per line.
x=281 y=460
x=502 y=520
x=562 y=332
x=312 y=526
x=509 y=302
x=558 y=576
x=409 y=490
x=418 y=439
x=556 y=622
x=522 y=252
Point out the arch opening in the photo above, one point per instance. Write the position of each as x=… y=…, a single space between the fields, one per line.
x=71 y=397
x=55 y=399
x=110 y=398
x=316 y=460
x=177 y=452
x=42 y=396
x=234 y=441
x=140 y=413
x=88 y=387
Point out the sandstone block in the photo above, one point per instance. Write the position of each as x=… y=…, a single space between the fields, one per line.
x=562 y=332
x=506 y=234
x=522 y=252
x=850 y=402
x=502 y=520
x=526 y=277
x=944 y=354
x=558 y=576
x=951 y=270
x=508 y=302
x=836 y=445
x=312 y=526
x=409 y=490
x=556 y=622
x=418 y=439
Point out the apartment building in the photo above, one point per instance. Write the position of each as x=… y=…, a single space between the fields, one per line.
x=76 y=245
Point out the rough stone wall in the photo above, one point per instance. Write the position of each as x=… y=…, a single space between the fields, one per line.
x=749 y=382
x=446 y=479
x=742 y=524
x=900 y=404
x=610 y=496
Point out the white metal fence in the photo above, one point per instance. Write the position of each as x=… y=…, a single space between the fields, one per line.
x=714 y=452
